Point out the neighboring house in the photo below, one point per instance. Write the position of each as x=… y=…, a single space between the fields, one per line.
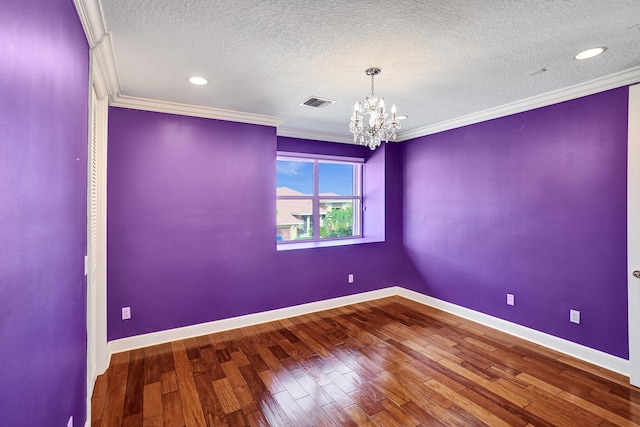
x=288 y=225
x=293 y=216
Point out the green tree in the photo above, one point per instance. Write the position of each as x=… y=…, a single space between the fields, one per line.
x=338 y=223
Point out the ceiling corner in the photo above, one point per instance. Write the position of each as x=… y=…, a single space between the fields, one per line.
x=101 y=45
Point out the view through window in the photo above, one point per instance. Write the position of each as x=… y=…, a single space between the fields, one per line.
x=318 y=198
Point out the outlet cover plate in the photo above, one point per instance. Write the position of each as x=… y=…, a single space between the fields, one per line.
x=350 y=278
x=510 y=299
x=126 y=313
x=574 y=316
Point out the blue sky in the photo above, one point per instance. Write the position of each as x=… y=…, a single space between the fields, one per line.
x=334 y=177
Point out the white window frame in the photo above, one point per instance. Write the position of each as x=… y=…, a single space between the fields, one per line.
x=316 y=197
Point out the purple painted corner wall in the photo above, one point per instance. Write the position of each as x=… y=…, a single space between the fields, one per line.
x=44 y=70
x=533 y=204
x=191 y=226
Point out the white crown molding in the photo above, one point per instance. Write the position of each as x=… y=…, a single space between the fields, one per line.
x=611 y=81
x=315 y=136
x=570 y=348
x=106 y=63
x=95 y=29
x=92 y=20
x=192 y=110
x=578 y=351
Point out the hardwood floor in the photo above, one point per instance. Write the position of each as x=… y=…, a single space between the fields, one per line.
x=390 y=362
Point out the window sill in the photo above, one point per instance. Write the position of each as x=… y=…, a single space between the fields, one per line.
x=327 y=244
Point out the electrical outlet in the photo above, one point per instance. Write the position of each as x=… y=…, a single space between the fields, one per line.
x=70 y=422
x=510 y=299
x=574 y=316
x=126 y=313
x=350 y=278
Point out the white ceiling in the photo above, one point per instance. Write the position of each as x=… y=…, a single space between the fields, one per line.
x=440 y=59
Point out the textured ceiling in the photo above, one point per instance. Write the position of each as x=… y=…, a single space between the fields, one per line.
x=440 y=59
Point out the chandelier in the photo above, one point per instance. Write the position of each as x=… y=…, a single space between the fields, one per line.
x=378 y=126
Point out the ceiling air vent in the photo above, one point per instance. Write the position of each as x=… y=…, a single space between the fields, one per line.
x=317 y=102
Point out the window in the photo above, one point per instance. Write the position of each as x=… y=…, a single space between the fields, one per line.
x=318 y=198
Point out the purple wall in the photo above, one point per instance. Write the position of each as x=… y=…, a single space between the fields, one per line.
x=43 y=145
x=191 y=226
x=532 y=204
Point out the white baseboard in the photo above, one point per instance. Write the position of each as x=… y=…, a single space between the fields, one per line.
x=596 y=357
x=154 y=338
x=578 y=351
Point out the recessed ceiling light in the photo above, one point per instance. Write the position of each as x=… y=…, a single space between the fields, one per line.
x=198 y=81
x=590 y=53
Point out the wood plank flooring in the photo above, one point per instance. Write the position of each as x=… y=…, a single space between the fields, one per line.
x=386 y=363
